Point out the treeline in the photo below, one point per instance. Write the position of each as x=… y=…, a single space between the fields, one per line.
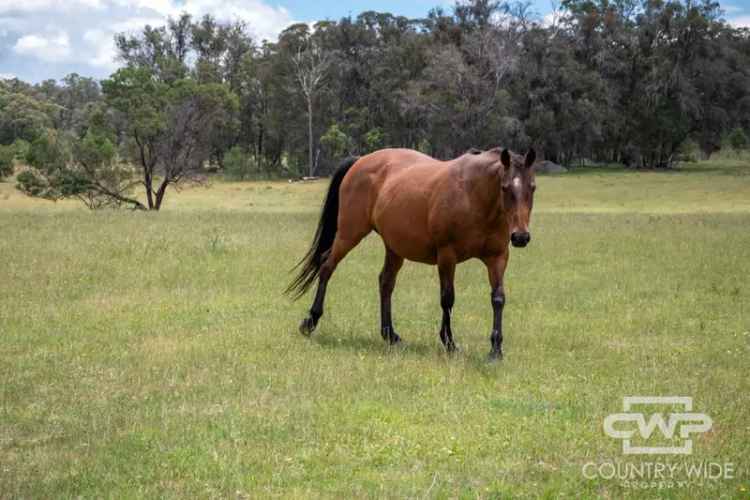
x=637 y=82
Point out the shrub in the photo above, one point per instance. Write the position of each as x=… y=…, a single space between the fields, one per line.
x=738 y=140
x=688 y=151
x=85 y=168
x=22 y=149
x=375 y=139
x=239 y=165
x=7 y=155
x=336 y=142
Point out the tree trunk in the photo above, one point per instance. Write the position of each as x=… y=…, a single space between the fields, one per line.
x=310 y=135
x=149 y=183
x=160 y=194
x=259 y=155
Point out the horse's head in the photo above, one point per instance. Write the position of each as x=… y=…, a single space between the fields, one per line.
x=518 y=194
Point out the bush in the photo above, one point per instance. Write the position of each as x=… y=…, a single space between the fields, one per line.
x=375 y=139
x=738 y=140
x=336 y=142
x=7 y=155
x=85 y=168
x=688 y=151
x=22 y=149
x=239 y=165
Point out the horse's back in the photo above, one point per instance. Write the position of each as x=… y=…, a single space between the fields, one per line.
x=369 y=174
x=389 y=161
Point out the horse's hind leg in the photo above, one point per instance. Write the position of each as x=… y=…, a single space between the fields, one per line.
x=446 y=269
x=338 y=251
x=387 y=281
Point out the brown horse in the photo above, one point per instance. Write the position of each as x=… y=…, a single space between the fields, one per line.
x=425 y=210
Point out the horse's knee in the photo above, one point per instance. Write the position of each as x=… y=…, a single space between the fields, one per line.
x=498 y=298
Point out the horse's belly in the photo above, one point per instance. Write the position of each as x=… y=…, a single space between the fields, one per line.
x=410 y=246
x=401 y=220
x=407 y=236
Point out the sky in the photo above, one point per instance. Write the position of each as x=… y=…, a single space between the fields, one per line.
x=41 y=39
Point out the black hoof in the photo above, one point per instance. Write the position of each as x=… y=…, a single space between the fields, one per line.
x=390 y=335
x=307 y=326
x=495 y=356
x=451 y=348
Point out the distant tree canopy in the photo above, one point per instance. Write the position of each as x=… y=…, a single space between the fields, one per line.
x=628 y=81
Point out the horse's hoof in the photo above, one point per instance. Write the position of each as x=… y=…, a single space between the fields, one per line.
x=307 y=326
x=495 y=356
x=389 y=335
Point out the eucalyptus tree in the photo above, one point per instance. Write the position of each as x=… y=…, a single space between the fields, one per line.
x=167 y=126
x=311 y=62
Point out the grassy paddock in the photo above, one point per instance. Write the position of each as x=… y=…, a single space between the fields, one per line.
x=154 y=355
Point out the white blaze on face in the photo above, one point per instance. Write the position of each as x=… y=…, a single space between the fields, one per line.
x=518 y=190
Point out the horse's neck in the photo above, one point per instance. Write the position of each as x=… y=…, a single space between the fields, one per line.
x=485 y=182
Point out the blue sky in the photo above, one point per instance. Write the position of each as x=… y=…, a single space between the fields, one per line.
x=42 y=39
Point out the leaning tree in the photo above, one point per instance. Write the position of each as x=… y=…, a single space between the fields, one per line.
x=168 y=126
x=165 y=140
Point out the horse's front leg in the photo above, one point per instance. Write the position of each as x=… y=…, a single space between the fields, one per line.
x=496 y=269
x=446 y=270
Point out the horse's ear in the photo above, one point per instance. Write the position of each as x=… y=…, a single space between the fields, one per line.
x=530 y=157
x=505 y=158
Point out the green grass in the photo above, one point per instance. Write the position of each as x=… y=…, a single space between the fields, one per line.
x=151 y=355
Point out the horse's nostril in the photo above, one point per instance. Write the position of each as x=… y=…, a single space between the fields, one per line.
x=520 y=239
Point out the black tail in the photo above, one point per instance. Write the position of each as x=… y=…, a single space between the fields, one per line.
x=324 y=235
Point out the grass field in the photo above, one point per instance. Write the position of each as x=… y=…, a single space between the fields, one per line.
x=151 y=355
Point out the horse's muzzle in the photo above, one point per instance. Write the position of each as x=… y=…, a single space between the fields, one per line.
x=520 y=239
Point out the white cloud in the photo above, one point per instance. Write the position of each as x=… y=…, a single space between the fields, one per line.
x=164 y=7
x=48 y=5
x=48 y=38
x=7 y=76
x=51 y=47
x=550 y=19
x=27 y=6
x=101 y=47
x=264 y=20
x=740 y=21
x=136 y=23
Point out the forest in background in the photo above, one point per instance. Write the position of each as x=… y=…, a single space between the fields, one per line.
x=643 y=83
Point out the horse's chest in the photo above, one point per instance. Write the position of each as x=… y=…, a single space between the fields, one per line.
x=477 y=247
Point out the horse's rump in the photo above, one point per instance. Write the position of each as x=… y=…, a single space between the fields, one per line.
x=390 y=191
